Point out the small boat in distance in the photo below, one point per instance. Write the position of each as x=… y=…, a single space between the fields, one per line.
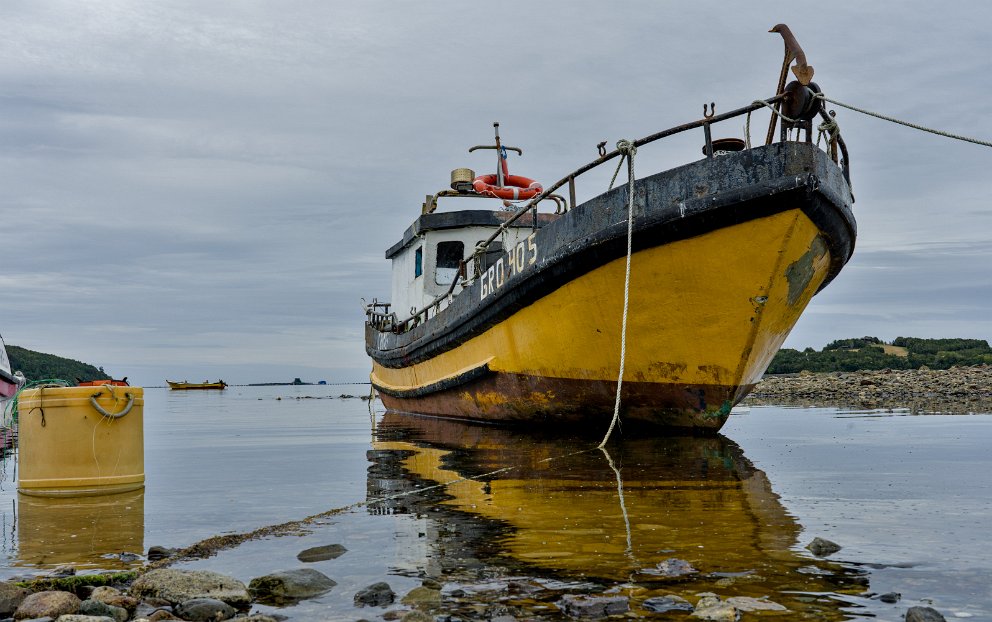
x=206 y=384
x=663 y=299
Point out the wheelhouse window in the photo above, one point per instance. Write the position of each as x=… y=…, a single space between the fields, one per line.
x=418 y=262
x=449 y=257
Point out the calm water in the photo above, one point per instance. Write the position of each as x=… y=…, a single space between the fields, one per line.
x=908 y=497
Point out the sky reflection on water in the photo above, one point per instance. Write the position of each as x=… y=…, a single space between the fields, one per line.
x=901 y=494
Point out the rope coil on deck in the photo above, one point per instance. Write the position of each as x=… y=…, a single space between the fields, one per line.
x=828 y=130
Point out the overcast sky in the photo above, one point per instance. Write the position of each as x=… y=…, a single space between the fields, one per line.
x=206 y=189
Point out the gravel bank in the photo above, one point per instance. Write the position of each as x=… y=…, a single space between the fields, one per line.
x=955 y=390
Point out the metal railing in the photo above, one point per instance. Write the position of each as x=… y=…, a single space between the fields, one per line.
x=389 y=321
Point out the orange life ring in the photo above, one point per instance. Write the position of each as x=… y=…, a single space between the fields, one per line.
x=100 y=383
x=516 y=187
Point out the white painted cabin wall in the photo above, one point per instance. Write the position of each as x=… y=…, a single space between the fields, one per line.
x=410 y=292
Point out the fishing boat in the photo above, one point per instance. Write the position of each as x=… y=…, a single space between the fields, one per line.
x=206 y=384
x=10 y=384
x=10 y=381
x=661 y=301
x=99 y=382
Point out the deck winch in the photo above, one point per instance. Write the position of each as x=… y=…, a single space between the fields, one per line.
x=461 y=179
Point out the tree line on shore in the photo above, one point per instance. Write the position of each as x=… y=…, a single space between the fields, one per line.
x=41 y=366
x=859 y=353
x=871 y=353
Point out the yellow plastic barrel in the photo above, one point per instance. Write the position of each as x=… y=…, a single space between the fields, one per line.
x=80 y=441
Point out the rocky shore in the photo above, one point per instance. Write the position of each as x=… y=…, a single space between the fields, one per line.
x=159 y=594
x=956 y=390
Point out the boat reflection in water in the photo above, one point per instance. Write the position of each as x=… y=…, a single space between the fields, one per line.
x=559 y=508
x=104 y=532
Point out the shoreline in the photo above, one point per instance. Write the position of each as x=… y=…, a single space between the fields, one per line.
x=958 y=390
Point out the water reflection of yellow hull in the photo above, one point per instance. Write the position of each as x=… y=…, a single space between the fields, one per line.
x=87 y=532
x=569 y=511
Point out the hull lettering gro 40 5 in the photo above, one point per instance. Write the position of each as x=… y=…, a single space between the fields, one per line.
x=514 y=262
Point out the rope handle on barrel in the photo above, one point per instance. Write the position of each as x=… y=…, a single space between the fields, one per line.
x=120 y=413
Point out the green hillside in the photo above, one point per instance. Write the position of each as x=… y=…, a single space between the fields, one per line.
x=41 y=366
x=872 y=353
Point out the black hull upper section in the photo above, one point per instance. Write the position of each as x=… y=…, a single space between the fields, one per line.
x=674 y=205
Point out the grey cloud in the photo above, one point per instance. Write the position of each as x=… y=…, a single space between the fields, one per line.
x=232 y=173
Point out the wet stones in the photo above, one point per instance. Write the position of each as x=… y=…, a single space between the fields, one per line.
x=822 y=547
x=177 y=586
x=747 y=603
x=661 y=604
x=205 y=610
x=923 y=614
x=48 y=604
x=161 y=614
x=289 y=586
x=958 y=389
x=710 y=607
x=376 y=595
x=672 y=568
x=63 y=571
x=321 y=553
x=592 y=607
x=156 y=553
x=151 y=612
x=114 y=597
x=747 y=578
x=90 y=607
x=10 y=597
x=422 y=596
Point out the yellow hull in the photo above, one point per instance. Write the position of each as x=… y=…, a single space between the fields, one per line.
x=706 y=315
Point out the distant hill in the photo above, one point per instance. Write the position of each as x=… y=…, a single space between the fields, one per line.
x=41 y=366
x=872 y=353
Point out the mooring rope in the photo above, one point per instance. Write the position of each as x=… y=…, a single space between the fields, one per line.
x=12 y=406
x=828 y=130
x=914 y=126
x=747 y=122
x=628 y=150
x=623 y=505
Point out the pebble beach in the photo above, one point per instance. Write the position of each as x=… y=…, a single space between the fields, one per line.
x=954 y=390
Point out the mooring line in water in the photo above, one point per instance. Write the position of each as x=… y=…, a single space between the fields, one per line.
x=623 y=504
x=628 y=150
